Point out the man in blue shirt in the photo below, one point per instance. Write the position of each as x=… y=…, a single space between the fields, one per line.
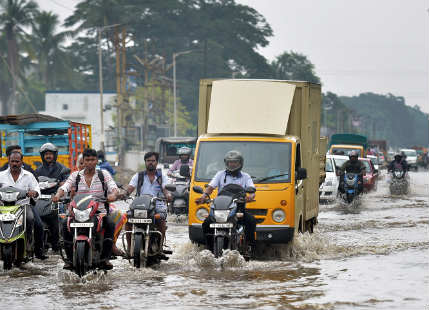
x=104 y=164
x=231 y=175
x=151 y=182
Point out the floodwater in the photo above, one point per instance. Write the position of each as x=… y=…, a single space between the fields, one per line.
x=373 y=257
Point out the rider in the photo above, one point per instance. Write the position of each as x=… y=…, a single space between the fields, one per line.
x=399 y=161
x=104 y=164
x=52 y=169
x=20 y=178
x=353 y=165
x=150 y=182
x=16 y=148
x=88 y=181
x=184 y=159
x=231 y=175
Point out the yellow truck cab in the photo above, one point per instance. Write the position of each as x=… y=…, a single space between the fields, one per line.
x=276 y=126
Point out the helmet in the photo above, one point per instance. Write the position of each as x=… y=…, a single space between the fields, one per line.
x=48 y=147
x=353 y=154
x=184 y=151
x=398 y=156
x=233 y=156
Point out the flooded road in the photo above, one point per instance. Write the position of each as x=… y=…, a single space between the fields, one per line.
x=376 y=257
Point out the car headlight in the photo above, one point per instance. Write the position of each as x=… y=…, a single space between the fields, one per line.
x=279 y=215
x=140 y=214
x=82 y=216
x=202 y=214
x=221 y=216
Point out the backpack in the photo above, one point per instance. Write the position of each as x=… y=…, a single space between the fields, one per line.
x=140 y=180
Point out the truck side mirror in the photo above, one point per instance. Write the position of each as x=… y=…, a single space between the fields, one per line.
x=198 y=189
x=301 y=174
x=185 y=171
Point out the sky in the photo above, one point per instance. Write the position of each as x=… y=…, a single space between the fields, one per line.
x=357 y=46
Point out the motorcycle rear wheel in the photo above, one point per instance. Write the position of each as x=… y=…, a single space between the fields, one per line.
x=218 y=246
x=81 y=267
x=7 y=254
x=138 y=238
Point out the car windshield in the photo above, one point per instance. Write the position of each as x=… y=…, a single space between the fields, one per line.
x=328 y=167
x=269 y=160
x=344 y=151
x=339 y=162
x=410 y=153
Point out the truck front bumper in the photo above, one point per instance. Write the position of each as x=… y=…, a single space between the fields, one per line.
x=264 y=233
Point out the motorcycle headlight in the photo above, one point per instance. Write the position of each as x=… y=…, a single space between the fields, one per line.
x=20 y=220
x=279 y=215
x=9 y=197
x=202 y=214
x=350 y=182
x=140 y=214
x=221 y=216
x=82 y=216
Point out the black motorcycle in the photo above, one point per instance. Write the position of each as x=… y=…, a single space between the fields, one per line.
x=398 y=182
x=147 y=244
x=225 y=211
x=180 y=203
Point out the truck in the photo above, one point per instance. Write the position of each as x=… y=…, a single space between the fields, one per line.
x=276 y=126
x=167 y=147
x=31 y=131
x=344 y=143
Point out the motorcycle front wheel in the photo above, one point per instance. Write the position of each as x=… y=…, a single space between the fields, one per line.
x=7 y=255
x=218 y=246
x=138 y=239
x=80 y=267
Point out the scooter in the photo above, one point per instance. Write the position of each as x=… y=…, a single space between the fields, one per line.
x=225 y=213
x=85 y=222
x=147 y=245
x=180 y=203
x=14 y=246
x=398 y=182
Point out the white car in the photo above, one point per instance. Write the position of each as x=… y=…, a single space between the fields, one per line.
x=411 y=158
x=329 y=189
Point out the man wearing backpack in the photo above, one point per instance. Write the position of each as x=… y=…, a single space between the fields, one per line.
x=100 y=184
x=151 y=182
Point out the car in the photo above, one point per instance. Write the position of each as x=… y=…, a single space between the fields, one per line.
x=329 y=188
x=411 y=158
x=375 y=161
x=370 y=176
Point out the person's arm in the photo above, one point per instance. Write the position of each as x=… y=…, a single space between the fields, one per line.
x=33 y=188
x=167 y=194
x=249 y=183
x=66 y=187
x=209 y=189
x=173 y=167
x=112 y=188
x=132 y=185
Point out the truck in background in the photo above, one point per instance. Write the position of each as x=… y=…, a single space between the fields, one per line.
x=344 y=143
x=276 y=126
x=31 y=131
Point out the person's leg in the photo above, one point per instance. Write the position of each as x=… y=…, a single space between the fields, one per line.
x=29 y=219
x=208 y=233
x=39 y=235
x=109 y=230
x=249 y=227
x=51 y=221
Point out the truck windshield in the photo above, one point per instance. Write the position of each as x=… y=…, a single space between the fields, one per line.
x=344 y=151
x=265 y=161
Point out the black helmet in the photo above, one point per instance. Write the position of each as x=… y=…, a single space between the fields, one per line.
x=353 y=154
x=233 y=156
x=398 y=156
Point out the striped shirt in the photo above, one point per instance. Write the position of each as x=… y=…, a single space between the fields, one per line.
x=95 y=189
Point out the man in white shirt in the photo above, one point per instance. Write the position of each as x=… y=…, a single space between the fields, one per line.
x=20 y=178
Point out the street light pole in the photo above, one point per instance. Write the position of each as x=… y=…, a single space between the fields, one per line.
x=100 y=77
x=174 y=88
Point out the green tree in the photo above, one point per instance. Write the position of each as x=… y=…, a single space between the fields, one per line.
x=294 y=66
x=15 y=15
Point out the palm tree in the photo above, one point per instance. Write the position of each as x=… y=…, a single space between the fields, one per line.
x=15 y=15
x=46 y=47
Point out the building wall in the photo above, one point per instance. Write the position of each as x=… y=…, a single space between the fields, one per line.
x=82 y=107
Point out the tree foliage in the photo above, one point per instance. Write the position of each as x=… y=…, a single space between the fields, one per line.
x=294 y=66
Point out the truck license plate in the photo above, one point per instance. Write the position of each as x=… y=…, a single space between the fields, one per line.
x=221 y=225
x=140 y=221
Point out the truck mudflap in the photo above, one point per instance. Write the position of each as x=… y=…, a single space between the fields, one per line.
x=265 y=233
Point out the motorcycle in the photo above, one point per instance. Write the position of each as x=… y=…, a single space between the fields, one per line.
x=351 y=187
x=14 y=246
x=398 y=182
x=147 y=245
x=224 y=213
x=180 y=203
x=47 y=210
x=88 y=234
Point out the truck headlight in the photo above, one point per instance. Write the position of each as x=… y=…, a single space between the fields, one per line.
x=82 y=216
x=202 y=214
x=279 y=215
x=221 y=216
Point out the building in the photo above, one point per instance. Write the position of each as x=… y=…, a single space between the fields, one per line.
x=84 y=107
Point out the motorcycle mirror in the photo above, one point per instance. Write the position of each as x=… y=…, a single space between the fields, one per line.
x=184 y=171
x=301 y=174
x=166 y=166
x=170 y=187
x=250 y=190
x=198 y=189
